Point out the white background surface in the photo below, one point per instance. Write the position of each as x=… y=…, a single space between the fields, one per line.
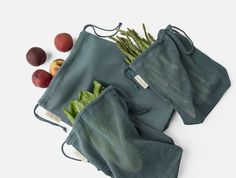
x=30 y=148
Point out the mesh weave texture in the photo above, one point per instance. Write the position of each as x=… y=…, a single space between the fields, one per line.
x=105 y=134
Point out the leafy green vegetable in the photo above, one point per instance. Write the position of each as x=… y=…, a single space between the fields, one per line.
x=132 y=160
x=85 y=97
x=131 y=44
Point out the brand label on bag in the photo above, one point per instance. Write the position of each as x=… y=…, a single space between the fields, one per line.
x=141 y=81
x=81 y=157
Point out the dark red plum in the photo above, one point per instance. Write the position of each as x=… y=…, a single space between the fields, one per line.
x=36 y=56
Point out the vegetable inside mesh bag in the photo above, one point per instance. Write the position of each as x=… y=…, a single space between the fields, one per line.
x=190 y=80
x=94 y=58
x=104 y=132
x=85 y=97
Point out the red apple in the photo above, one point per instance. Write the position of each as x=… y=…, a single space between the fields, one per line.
x=63 y=42
x=41 y=78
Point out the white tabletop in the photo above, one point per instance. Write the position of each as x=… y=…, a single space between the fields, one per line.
x=30 y=148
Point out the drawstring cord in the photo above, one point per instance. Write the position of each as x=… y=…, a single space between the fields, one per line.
x=45 y=120
x=109 y=30
x=63 y=152
x=191 y=42
x=130 y=77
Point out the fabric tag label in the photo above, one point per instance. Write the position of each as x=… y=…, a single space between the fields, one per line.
x=53 y=116
x=81 y=157
x=141 y=81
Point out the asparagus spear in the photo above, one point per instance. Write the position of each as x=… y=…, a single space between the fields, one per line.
x=131 y=44
x=151 y=37
x=146 y=35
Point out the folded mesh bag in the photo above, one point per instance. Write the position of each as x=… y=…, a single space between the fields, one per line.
x=190 y=80
x=105 y=134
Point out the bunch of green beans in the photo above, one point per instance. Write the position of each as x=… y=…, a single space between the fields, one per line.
x=131 y=44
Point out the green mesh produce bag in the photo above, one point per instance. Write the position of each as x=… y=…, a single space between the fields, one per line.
x=190 y=80
x=105 y=134
x=111 y=132
x=94 y=58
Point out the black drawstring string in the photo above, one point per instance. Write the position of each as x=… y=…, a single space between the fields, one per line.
x=63 y=152
x=130 y=77
x=44 y=120
x=191 y=50
x=109 y=30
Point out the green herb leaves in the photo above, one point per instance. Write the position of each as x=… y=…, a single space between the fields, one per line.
x=85 y=97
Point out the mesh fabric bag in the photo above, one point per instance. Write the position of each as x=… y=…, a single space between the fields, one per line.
x=105 y=134
x=190 y=80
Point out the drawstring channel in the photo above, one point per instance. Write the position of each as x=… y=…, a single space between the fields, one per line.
x=176 y=30
x=64 y=153
x=45 y=120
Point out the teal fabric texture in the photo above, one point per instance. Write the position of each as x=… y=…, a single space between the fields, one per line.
x=121 y=131
x=105 y=134
x=191 y=81
x=93 y=58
